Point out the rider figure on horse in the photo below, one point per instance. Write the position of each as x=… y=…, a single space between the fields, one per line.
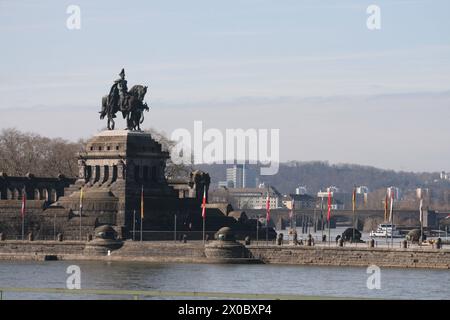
x=130 y=103
x=119 y=92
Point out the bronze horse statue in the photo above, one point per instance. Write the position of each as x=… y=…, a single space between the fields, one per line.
x=132 y=108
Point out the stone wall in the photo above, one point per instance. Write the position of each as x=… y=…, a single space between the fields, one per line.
x=194 y=252
x=363 y=257
x=161 y=251
x=36 y=188
x=38 y=250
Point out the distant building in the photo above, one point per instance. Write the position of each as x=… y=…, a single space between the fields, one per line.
x=241 y=176
x=301 y=190
x=445 y=175
x=301 y=201
x=226 y=184
x=340 y=200
x=255 y=198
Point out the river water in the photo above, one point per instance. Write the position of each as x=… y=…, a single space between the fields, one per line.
x=273 y=279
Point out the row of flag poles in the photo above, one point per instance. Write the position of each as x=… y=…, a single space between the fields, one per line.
x=388 y=209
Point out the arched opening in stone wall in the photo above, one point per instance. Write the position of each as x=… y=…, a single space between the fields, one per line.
x=88 y=172
x=106 y=173
x=37 y=194
x=96 y=173
x=114 y=173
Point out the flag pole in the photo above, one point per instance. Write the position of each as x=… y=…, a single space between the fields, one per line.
x=175 y=228
x=421 y=221
x=81 y=208
x=354 y=211
x=142 y=222
x=203 y=230
x=385 y=216
x=267 y=215
x=142 y=208
x=54 y=226
x=267 y=232
x=392 y=219
x=134 y=224
x=329 y=217
x=321 y=215
x=24 y=201
x=329 y=232
x=204 y=212
x=257 y=230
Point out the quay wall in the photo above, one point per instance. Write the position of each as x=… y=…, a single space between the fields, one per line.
x=351 y=256
x=194 y=252
x=38 y=250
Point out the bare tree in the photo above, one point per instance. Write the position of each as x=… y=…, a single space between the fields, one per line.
x=21 y=153
x=173 y=170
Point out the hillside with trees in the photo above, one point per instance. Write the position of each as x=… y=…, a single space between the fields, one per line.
x=21 y=153
x=318 y=175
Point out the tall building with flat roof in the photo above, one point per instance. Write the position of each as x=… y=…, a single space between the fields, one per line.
x=241 y=176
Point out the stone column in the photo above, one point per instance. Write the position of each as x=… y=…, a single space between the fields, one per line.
x=113 y=173
x=106 y=173
x=121 y=170
x=82 y=170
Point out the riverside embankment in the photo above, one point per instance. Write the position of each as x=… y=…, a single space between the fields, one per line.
x=194 y=252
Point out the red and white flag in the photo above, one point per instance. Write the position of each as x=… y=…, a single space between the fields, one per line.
x=392 y=206
x=329 y=206
x=421 y=210
x=24 y=203
x=204 y=204
x=291 y=213
x=268 y=207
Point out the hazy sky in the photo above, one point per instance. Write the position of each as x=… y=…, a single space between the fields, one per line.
x=336 y=90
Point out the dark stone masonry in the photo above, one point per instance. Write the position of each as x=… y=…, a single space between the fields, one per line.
x=117 y=168
x=197 y=252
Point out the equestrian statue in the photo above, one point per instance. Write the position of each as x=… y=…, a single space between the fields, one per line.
x=129 y=102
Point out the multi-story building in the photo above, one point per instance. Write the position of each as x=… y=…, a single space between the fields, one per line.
x=241 y=176
x=340 y=200
x=255 y=198
x=301 y=201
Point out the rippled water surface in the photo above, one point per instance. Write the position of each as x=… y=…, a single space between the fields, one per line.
x=275 y=279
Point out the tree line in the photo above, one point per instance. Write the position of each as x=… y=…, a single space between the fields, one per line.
x=24 y=152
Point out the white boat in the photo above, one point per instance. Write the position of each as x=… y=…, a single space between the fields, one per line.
x=386 y=230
